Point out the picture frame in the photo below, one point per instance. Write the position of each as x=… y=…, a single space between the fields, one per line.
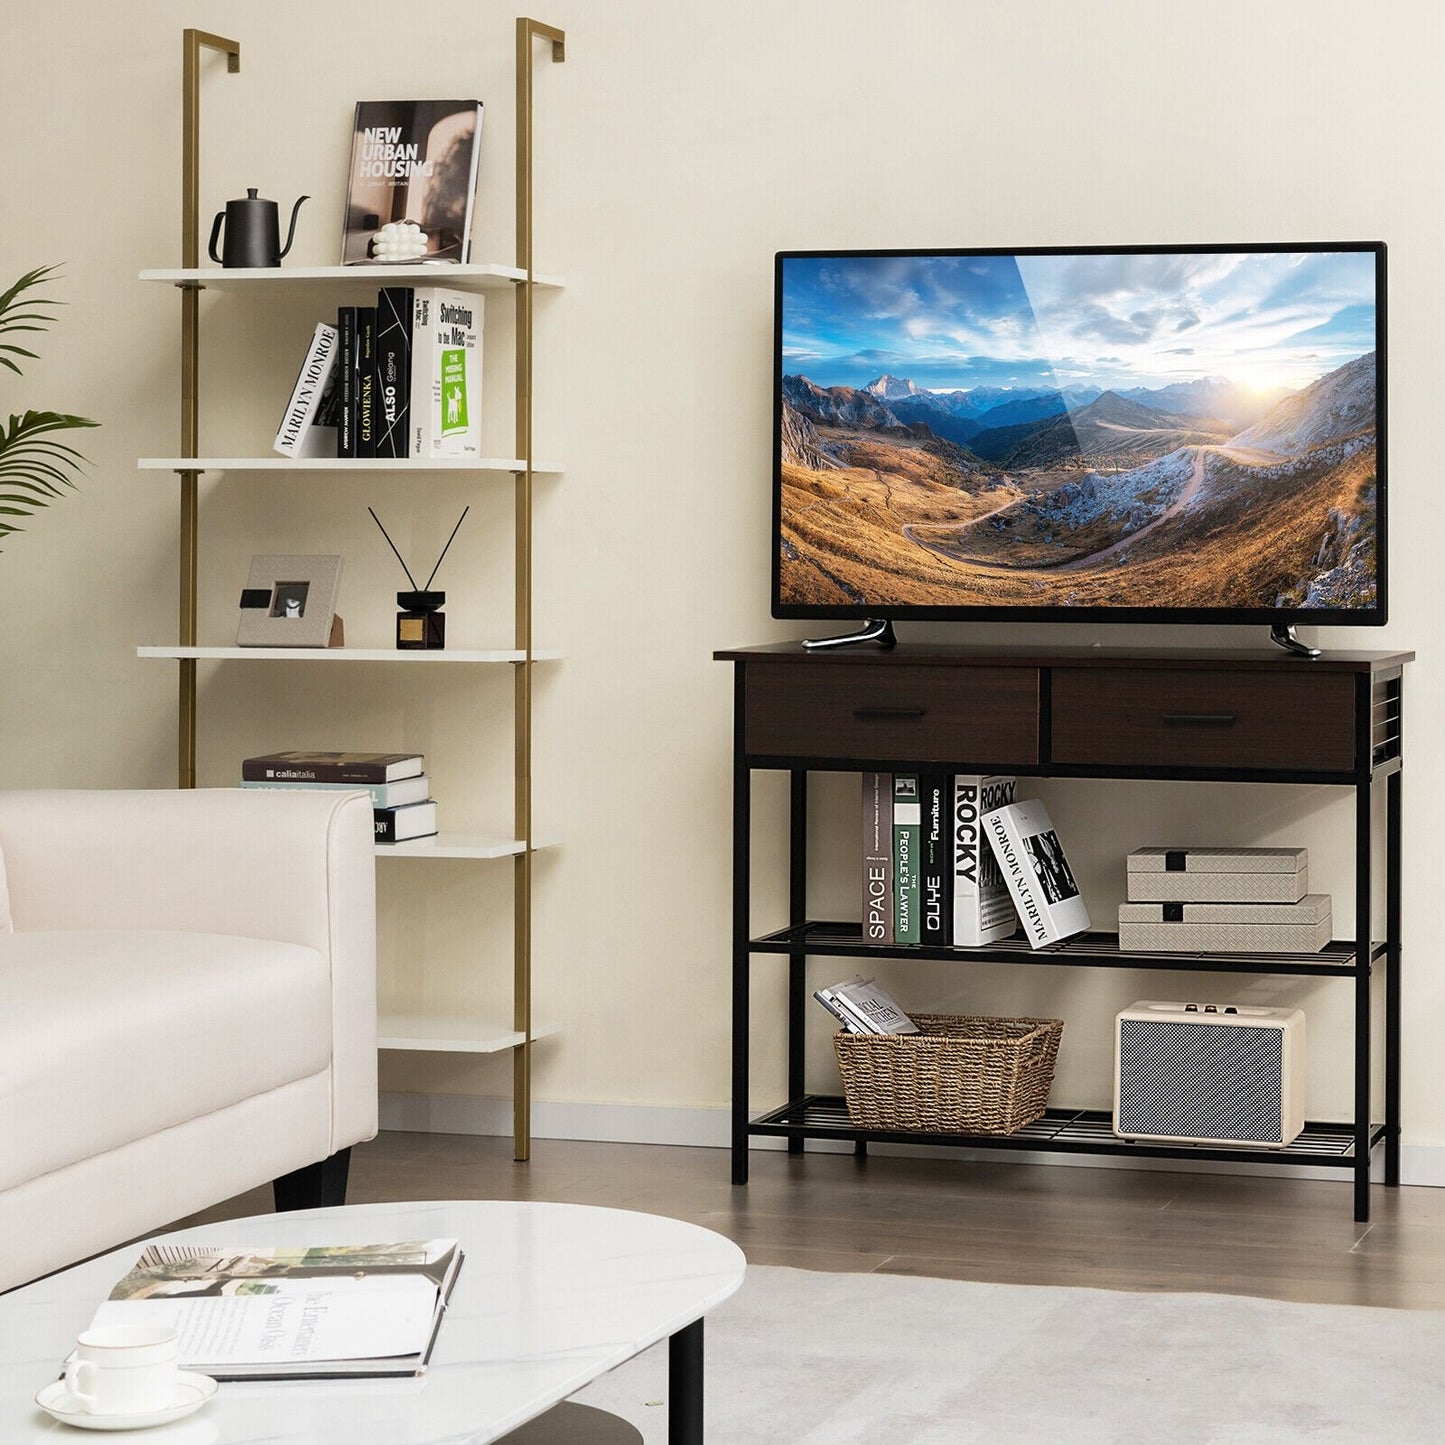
x=290 y=601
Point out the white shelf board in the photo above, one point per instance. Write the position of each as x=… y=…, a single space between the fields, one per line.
x=460 y=845
x=352 y=654
x=423 y=1032
x=482 y=277
x=341 y=464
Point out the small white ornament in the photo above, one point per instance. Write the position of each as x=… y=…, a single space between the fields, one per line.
x=398 y=241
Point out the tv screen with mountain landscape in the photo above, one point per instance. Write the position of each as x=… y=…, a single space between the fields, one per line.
x=1143 y=434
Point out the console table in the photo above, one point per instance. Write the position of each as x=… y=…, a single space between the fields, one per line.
x=1248 y=717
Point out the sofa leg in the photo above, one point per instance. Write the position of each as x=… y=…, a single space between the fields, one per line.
x=317 y=1186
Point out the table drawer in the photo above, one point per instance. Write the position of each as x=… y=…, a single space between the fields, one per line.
x=1138 y=718
x=987 y=715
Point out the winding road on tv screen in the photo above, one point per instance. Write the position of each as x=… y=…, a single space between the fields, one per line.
x=1111 y=503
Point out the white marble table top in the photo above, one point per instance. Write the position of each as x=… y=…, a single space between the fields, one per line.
x=550 y=1297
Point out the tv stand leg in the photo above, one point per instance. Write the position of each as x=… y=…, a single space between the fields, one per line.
x=875 y=629
x=1284 y=637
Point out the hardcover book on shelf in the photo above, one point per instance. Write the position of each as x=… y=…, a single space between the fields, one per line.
x=400 y=825
x=393 y=369
x=331 y=767
x=1036 y=872
x=863 y=1006
x=446 y=373
x=983 y=909
x=877 y=858
x=346 y=381
x=308 y=424
x=366 y=381
x=907 y=826
x=257 y=1314
x=383 y=795
x=935 y=873
x=412 y=161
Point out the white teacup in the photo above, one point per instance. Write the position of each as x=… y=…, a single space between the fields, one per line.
x=124 y=1370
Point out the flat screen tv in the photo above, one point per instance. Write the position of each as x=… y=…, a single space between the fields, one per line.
x=1142 y=434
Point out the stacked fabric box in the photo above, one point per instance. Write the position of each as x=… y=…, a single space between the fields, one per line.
x=1222 y=900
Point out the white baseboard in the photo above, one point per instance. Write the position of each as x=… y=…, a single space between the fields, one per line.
x=711 y=1129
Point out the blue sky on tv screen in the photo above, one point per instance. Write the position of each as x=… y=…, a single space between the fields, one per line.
x=954 y=322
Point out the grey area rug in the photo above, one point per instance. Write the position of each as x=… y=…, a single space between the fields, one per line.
x=804 y=1358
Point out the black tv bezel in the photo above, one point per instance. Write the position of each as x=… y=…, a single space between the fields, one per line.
x=1282 y=617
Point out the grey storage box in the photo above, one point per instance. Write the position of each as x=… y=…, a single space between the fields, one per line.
x=1218 y=875
x=1303 y=927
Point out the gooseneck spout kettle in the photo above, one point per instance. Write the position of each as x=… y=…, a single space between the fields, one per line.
x=253 y=232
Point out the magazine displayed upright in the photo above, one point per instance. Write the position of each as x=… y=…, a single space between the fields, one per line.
x=1036 y=872
x=315 y=1312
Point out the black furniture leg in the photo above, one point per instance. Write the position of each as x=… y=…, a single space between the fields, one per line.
x=317 y=1186
x=742 y=924
x=797 y=959
x=684 y=1386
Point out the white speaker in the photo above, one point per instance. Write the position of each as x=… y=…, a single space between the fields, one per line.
x=1209 y=1073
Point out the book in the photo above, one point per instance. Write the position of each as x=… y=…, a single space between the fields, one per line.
x=412 y=161
x=445 y=415
x=383 y=795
x=935 y=861
x=346 y=381
x=298 y=767
x=1036 y=872
x=863 y=1006
x=329 y=1310
x=366 y=381
x=397 y=825
x=877 y=858
x=304 y=430
x=393 y=369
x=907 y=825
x=983 y=909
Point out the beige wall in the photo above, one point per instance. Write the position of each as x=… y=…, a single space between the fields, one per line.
x=678 y=148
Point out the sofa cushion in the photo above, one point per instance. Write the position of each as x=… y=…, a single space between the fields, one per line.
x=109 y=1036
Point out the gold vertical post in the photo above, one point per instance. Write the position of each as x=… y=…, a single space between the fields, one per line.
x=192 y=43
x=528 y=31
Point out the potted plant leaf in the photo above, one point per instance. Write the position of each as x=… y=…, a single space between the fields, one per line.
x=34 y=465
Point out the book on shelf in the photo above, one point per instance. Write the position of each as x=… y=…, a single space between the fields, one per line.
x=411 y=820
x=907 y=825
x=877 y=858
x=366 y=381
x=863 y=1006
x=325 y=1311
x=383 y=795
x=393 y=369
x=935 y=858
x=331 y=767
x=446 y=373
x=412 y=161
x=308 y=425
x=346 y=381
x=983 y=909
x=1036 y=872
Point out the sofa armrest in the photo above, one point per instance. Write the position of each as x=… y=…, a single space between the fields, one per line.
x=289 y=864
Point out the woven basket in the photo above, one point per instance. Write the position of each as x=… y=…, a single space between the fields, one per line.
x=957 y=1075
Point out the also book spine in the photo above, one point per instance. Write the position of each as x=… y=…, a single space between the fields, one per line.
x=935 y=886
x=393 y=369
x=1037 y=873
x=983 y=909
x=907 y=827
x=366 y=412
x=877 y=858
x=313 y=386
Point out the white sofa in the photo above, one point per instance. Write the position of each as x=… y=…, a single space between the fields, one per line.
x=187 y=1006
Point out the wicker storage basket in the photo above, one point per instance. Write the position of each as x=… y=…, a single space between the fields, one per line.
x=957 y=1075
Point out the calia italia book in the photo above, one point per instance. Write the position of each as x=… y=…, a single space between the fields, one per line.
x=412 y=161
x=1036 y=872
x=300 y=767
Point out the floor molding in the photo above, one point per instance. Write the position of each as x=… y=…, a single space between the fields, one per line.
x=710 y=1129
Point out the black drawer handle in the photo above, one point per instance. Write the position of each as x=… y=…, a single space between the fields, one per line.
x=890 y=713
x=1200 y=719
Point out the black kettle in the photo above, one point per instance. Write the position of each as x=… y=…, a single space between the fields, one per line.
x=253 y=232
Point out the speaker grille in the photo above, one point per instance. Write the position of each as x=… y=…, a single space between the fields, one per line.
x=1200 y=1081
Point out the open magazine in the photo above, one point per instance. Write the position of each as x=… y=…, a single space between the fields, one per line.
x=327 y=1310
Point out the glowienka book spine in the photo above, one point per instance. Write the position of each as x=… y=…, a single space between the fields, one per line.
x=366 y=411
x=877 y=858
x=983 y=909
x=1039 y=879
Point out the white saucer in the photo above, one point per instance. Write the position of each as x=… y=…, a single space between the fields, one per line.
x=192 y=1391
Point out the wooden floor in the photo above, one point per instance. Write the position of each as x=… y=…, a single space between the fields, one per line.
x=1291 y=1239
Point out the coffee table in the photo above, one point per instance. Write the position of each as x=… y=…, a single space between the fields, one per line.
x=551 y=1296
